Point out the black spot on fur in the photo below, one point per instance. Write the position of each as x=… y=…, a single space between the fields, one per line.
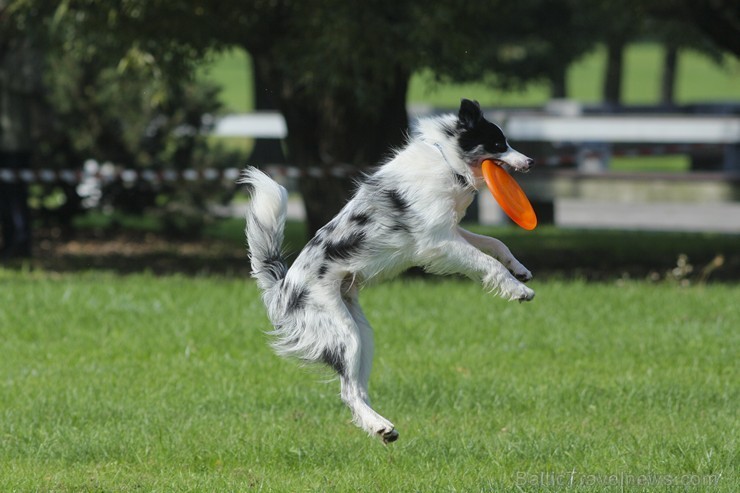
x=329 y=228
x=273 y=263
x=248 y=187
x=359 y=218
x=316 y=241
x=274 y=266
x=321 y=234
x=334 y=357
x=297 y=299
x=397 y=201
x=346 y=247
x=449 y=130
x=400 y=227
x=322 y=270
x=461 y=180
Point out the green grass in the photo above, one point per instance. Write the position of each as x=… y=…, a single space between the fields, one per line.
x=142 y=383
x=699 y=80
x=671 y=163
x=232 y=71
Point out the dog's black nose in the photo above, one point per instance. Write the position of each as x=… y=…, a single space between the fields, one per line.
x=530 y=162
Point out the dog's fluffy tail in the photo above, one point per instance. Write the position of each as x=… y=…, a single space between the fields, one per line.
x=265 y=226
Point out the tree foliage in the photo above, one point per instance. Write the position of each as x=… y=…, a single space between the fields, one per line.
x=715 y=20
x=116 y=94
x=337 y=69
x=117 y=88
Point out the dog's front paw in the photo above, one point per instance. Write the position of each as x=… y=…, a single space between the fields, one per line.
x=527 y=297
x=508 y=287
x=522 y=293
x=517 y=270
x=522 y=274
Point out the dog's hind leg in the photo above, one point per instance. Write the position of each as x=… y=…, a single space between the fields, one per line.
x=367 y=344
x=388 y=433
x=354 y=395
x=351 y=358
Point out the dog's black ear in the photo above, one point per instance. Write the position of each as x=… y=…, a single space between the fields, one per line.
x=470 y=113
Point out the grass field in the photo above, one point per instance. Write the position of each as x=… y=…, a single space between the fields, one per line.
x=143 y=383
x=699 y=80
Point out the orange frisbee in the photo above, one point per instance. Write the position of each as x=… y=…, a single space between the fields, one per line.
x=509 y=195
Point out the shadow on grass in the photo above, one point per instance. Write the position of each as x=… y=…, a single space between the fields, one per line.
x=548 y=252
x=127 y=252
x=610 y=254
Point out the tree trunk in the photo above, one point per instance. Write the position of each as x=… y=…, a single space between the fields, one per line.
x=20 y=81
x=613 y=76
x=559 y=84
x=333 y=138
x=668 y=80
x=265 y=151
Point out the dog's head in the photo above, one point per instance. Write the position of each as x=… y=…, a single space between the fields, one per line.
x=480 y=139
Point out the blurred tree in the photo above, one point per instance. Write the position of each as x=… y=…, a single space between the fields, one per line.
x=717 y=20
x=343 y=96
x=710 y=27
x=19 y=84
x=116 y=94
x=338 y=70
x=676 y=37
x=507 y=44
x=619 y=22
x=341 y=74
x=265 y=151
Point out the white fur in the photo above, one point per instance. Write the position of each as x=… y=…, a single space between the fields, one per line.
x=405 y=214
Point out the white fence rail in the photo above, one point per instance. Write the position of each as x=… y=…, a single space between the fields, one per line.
x=594 y=134
x=616 y=128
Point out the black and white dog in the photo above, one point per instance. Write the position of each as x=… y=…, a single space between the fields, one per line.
x=404 y=214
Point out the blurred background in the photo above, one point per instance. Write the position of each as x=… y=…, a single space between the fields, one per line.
x=123 y=125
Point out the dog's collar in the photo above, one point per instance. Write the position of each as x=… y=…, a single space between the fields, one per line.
x=459 y=178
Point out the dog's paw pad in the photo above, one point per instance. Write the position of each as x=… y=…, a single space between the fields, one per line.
x=523 y=276
x=388 y=436
x=520 y=272
x=527 y=296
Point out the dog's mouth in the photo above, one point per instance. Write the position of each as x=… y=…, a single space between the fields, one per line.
x=502 y=164
x=510 y=167
x=524 y=168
